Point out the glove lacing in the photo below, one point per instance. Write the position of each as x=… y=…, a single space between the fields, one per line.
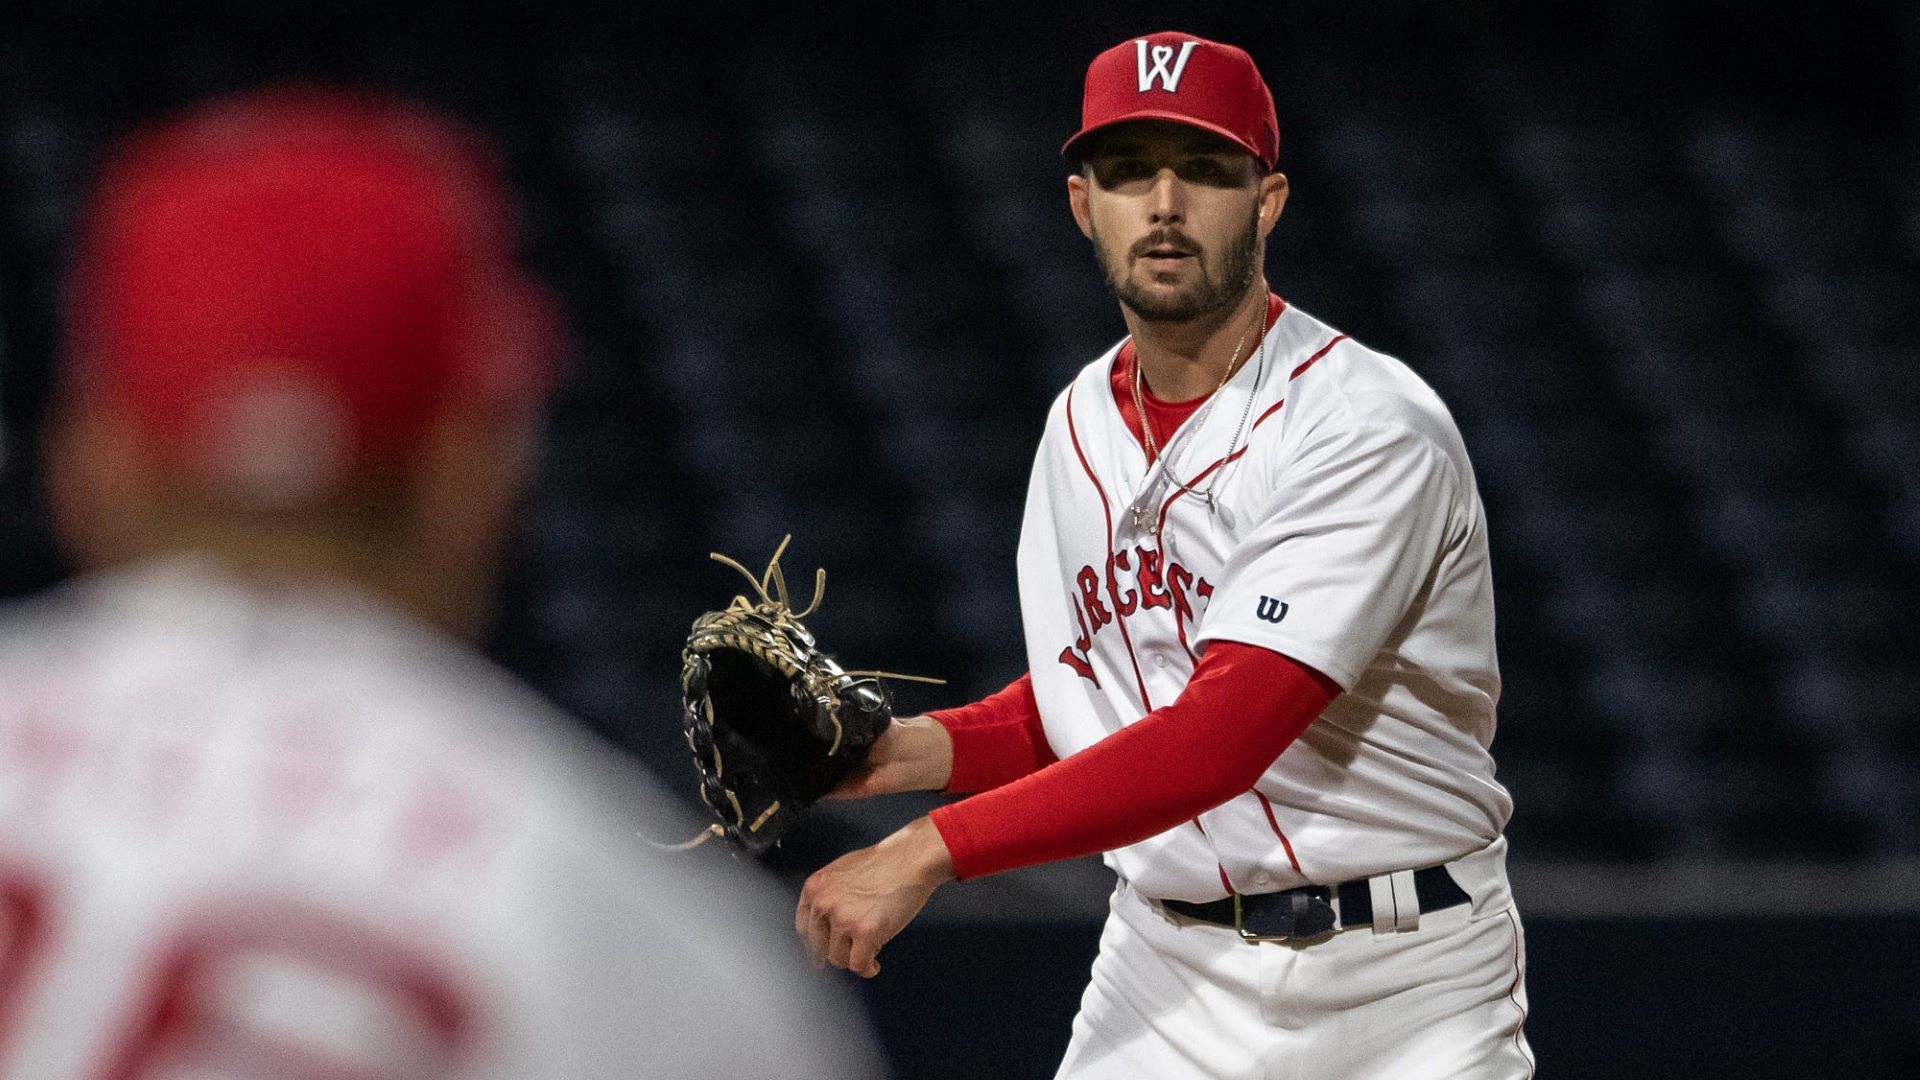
x=776 y=608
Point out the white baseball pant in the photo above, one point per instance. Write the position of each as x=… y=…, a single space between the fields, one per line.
x=1173 y=998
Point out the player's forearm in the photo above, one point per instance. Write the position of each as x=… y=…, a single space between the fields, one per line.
x=997 y=739
x=1243 y=707
x=922 y=852
x=923 y=751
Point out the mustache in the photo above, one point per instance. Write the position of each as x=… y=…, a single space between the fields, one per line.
x=1168 y=239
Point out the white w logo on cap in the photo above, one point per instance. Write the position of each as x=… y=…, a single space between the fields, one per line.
x=1169 y=77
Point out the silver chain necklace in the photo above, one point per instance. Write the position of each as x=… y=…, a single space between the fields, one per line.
x=1142 y=514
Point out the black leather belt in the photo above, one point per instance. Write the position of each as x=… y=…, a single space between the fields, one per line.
x=1307 y=911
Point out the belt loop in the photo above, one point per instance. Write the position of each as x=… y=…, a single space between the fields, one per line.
x=1381 y=888
x=1396 y=902
x=1406 y=902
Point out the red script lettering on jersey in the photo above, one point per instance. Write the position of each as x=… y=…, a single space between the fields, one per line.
x=1134 y=581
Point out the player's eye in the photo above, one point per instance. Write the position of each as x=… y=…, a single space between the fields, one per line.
x=1205 y=170
x=1116 y=171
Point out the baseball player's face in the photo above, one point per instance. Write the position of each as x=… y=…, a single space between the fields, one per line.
x=1177 y=217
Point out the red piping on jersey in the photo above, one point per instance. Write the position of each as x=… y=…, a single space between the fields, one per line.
x=1180 y=631
x=1128 y=353
x=1315 y=358
x=1223 y=880
x=1235 y=456
x=1284 y=842
x=1271 y=409
x=1119 y=357
x=1159 y=530
x=1513 y=992
x=1106 y=512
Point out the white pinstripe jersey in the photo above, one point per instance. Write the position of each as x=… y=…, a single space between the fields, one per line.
x=1349 y=536
x=252 y=831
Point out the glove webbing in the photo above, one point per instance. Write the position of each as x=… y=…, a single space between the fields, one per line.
x=776 y=610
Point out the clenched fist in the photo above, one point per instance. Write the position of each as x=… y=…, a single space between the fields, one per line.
x=854 y=905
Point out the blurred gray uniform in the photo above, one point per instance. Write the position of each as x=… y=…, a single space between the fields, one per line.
x=253 y=830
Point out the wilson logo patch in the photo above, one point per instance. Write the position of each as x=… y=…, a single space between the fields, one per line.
x=1271 y=610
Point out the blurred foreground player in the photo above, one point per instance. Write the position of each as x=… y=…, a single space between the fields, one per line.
x=260 y=814
x=1259 y=624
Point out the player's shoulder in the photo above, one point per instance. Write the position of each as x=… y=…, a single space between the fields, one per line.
x=34 y=626
x=1337 y=381
x=1087 y=383
x=541 y=768
x=265 y=659
x=522 y=833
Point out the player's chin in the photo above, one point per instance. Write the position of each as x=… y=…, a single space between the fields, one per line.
x=1161 y=297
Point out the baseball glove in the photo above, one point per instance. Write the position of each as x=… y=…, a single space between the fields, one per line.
x=773 y=722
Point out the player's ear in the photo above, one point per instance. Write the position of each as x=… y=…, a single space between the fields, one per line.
x=1273 y=199
x=1077 y=199
x=473 y=465
x=100 y=487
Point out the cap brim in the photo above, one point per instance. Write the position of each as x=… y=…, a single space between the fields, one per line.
x=1070 y=150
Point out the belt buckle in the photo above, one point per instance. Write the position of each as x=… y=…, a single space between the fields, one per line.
x=1307 y=915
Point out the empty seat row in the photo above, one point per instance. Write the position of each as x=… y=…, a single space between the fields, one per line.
x=836 y=301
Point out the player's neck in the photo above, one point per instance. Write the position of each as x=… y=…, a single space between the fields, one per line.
x=1183 y=361
x=362 y=552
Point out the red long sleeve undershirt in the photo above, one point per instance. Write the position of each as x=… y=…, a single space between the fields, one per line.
x=1174 y=764
x=1002 y=731
x=1242 y=707
x=997 y=739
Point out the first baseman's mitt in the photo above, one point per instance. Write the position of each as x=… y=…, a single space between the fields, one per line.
x=773 y=722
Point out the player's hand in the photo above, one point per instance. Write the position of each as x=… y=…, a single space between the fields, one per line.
x=857 y=903
x=914 y=754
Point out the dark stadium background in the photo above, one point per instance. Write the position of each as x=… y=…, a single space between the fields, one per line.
x=1660 y=258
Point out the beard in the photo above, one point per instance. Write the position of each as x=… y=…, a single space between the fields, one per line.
x=1214 y=294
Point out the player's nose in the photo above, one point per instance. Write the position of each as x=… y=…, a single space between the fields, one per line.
x=1166 y=200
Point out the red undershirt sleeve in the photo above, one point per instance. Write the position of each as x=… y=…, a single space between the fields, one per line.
x=997 y=739
x=1243 y=706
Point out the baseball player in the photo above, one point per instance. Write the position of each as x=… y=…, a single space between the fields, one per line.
x=1258 y=616
x=260 y=814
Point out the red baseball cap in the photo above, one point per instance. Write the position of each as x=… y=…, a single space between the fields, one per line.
x=1185 y=79
x=283 y=288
